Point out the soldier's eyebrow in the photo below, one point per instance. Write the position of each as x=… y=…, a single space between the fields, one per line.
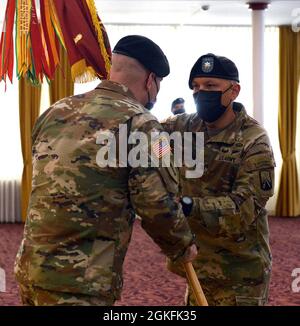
x=211 y=81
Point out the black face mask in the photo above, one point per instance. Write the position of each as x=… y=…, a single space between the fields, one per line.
x=179 y=111
x=209 y=105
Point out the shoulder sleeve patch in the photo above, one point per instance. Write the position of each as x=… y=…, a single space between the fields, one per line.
x=266 y=183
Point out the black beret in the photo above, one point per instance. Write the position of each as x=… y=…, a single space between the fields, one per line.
x=179 y=100
x=210 y=65
x=148 y=53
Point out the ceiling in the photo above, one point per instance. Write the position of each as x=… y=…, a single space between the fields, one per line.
x=182 y=12
x=185 y=12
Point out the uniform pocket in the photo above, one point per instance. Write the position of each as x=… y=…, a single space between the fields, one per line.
x=99 y=271
x=250 y=301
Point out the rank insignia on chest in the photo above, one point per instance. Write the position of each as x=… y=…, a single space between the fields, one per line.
x=265 y=180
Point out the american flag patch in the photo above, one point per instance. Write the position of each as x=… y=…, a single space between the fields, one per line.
x=161 y=147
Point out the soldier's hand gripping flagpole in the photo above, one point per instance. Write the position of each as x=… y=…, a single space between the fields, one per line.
x=195 y=284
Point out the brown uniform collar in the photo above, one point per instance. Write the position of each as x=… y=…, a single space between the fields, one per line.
x=229 y=134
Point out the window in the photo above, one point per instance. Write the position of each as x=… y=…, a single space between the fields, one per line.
x=11 y=162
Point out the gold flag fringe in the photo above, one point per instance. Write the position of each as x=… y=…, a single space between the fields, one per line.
x=97 y=26
x=81 y=73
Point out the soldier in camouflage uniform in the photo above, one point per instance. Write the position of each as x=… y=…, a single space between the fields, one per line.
x=80 y=215
x=228 y=212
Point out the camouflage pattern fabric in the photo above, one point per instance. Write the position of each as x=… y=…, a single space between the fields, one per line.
x=80 y=215
x=239 y=294
x=229 y=216
x=36 y=296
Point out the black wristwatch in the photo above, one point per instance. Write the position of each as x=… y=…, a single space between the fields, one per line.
x=187 y=205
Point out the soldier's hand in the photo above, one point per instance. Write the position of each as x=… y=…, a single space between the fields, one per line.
x=190 y=254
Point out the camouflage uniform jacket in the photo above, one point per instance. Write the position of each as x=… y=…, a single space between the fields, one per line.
x=80 y=215
x=229 y=217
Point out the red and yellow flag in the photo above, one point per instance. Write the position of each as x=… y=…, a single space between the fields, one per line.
x=85 y=38
x=73 y=23
x=6 y=43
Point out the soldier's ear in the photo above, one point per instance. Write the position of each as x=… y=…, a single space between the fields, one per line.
x=149 y=80
x=235 y=91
